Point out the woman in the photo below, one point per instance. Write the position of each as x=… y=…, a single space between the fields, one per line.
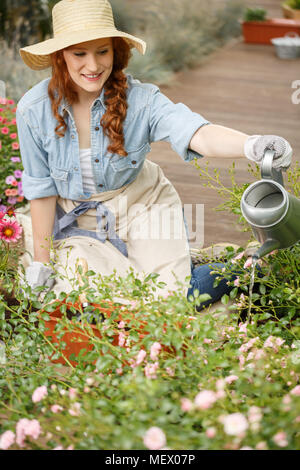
x=84 y=134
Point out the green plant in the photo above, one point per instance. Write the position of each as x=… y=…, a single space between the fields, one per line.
x=295 y=4
x=255 y=14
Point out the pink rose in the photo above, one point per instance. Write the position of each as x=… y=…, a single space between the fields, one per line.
x=13 y=135
x=39 y=394
x=56 y=408
x=7 y=439
x=122 y=338
x=235 y=424
x=72 y=393
x=5 y=130
x=75 y=409
x=211 y=432
x=205 y=399
x=154 y=351
x=231 y=378
x=296 y=391
x=26 y=427
x=280 y=439
x=248 y=263
x=154 y=438
x=15 y=146
x=186 y=404
x=140 y=357
x=150 y=370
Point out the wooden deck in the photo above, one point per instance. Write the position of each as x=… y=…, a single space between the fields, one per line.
x=242 y=86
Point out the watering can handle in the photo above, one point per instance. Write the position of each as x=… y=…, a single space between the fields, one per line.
x=267 y=171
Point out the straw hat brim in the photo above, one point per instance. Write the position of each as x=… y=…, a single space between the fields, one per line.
x=37 y=56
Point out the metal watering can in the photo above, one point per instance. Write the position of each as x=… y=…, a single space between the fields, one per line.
x=272 y=212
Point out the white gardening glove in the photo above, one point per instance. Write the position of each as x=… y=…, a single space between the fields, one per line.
x=256 y=145
x=37 y=274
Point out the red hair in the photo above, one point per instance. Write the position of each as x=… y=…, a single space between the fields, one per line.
x=114 y=91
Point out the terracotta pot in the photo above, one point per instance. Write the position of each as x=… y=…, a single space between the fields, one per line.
x=289 y=12
x=261 y=32
x=76 y=341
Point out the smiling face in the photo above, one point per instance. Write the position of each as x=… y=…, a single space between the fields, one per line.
x=89 y=58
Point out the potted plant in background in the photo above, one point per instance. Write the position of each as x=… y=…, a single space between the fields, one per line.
x=291 y=9
x=259 y=29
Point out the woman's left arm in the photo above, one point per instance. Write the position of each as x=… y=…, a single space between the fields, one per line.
x=218 y=141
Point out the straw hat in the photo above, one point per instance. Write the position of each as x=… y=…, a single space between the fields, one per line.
x=76 y=21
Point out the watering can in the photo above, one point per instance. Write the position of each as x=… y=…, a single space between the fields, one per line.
x=272 y=212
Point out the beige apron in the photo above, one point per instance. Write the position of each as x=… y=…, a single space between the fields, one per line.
x=149 y=219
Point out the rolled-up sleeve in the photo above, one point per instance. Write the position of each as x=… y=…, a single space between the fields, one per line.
x=36 y=179
x=174 y=123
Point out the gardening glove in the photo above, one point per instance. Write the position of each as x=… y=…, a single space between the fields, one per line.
x=37 y=274
x=256 y=145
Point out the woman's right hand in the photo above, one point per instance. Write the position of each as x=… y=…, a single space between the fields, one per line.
x=37 y=274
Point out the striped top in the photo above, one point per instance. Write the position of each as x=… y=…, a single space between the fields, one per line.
x=87 y=171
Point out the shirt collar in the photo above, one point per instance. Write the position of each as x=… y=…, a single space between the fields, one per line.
x=65 y=105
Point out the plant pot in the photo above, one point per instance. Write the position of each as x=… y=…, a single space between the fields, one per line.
x=75 y=340
x=289 y=12
x=261 y=32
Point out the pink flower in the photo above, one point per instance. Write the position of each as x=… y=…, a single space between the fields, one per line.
x=72 y=393
x=122 y=338
x=150 y=370
x=13 y=135
x=18 y=173
x=7 y=439
x=15 y=146
x=273 y=342
x=236 y=282
x=75 y=409
x=121 y=324
x=26 y=427
x=39 y=394
x=140 y=357
x=186 y=404
x=235 y=424
x=248 y=263
x=254 y=414
x=14 y=121
x=205 y=399
x=231 y=378
x=280 y=439
x=5 y=130
x=154 y=438
x=261 y=445
x=154 y=351
x=243 y=327
x=296 y=391
x=170 y=371
x=56 y=408
x=15 y=159
x=207 y=341
x=211 y=432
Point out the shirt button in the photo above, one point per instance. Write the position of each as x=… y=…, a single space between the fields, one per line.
x=76 y=169
x=133 y=161
x=96 y=128
x=73 y=136
x=96 y=160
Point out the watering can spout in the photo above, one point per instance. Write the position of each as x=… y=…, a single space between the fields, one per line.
x=268 y=246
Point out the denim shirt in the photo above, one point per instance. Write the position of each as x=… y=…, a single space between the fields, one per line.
x=51 y=164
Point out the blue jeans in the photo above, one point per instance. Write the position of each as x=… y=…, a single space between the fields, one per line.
x=202 y=280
